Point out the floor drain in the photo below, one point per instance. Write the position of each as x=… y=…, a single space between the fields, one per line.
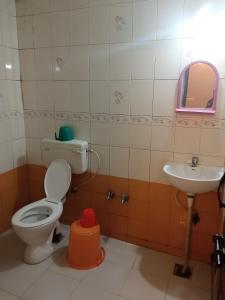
x=178 y=271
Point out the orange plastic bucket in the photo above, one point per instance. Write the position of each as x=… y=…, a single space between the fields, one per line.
x=85 y=251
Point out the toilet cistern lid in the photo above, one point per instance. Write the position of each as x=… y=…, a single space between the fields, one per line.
x=57 y=180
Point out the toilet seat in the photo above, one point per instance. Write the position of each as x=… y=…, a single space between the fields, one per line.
x=57 y=180
x=47 y=212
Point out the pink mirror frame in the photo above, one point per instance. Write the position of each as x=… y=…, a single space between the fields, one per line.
x=210 y=110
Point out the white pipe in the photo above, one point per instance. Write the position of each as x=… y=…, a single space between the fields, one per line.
x=190 y=202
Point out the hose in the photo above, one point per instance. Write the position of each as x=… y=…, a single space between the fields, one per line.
x=76 y=188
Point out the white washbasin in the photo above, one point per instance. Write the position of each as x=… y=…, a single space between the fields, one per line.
x=200 y=179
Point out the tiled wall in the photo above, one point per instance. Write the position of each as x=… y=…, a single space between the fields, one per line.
x=110 y=69
x=12 y=133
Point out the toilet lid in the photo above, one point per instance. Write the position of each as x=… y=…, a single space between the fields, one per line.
x=57 y=180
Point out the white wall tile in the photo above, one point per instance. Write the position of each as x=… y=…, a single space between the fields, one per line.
x=82 y=130
x=12 y=120
x=120 y=97
x=79 y=26
x=46 y=128
x=78 y=4
x=100 y=133
x=41 y=6
x=121 y=23
x=80 y=96
x=5 y=130
x=27 y=63
x=140 y=136
x=141 y=97
x=168 y=59
x=17 y=127
x=61 y=63
x=99 y=24
x=120 y=61
x=43 y=64
x=58 y=5
x=42 y=30
x=10 y=38
x=103 y=152
x=119 y=135
x=25 y=33
x=163 y=138
x=142 y=56
x=2 y=62
x=79 y=63
x=144 y=20
x=99 y=97
x=62 y=93
x=143 y=60
x=6 y=164
x=60 y=28
x=212 y=160
x=220 y=104
x=29 y=94
x=32 y=128
x=99 y=62
x=11 y=7
x=19 y=153
x=139 y=164
x=14 y=95
x=212 y=142
x=187 y=140
x=119 y=162
x=164 y=97
x=12 y=65
x=23 y=7
x=44 y=92
x=158 y=160
x=34 y=151
x=4 y=103
x=170 y=19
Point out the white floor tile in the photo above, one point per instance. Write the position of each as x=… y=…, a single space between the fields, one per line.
x=16 y=279
x=178 y=290
x=85 y=292
x=51 y=286
x=120 y=252
x=61 y=266
x=108 y=276
x=130 y=271
x=144 y=286
x=201 y=276
x=154 y=262
x=6 y=296
x=11 y=248
x=122 y=247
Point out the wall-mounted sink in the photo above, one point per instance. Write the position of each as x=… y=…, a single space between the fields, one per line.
x=193 y=180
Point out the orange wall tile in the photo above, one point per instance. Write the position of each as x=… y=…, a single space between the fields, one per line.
x=13 y=194
x=151 y=218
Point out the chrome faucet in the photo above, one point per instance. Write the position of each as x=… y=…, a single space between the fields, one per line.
x=194 y=161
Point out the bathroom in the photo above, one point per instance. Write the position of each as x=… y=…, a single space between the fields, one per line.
x=110 y=70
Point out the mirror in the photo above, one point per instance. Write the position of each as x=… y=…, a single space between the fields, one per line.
x=198 y=85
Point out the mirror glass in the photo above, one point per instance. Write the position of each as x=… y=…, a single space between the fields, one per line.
x=198 y=85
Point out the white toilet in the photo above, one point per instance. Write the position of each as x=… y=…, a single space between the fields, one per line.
x=36 y=222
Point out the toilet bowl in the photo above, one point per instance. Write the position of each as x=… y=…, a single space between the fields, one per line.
x=35 y=223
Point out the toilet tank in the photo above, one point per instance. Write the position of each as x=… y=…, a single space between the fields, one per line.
x=74 y=152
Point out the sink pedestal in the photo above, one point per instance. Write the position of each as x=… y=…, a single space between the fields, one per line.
x=185 y=270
